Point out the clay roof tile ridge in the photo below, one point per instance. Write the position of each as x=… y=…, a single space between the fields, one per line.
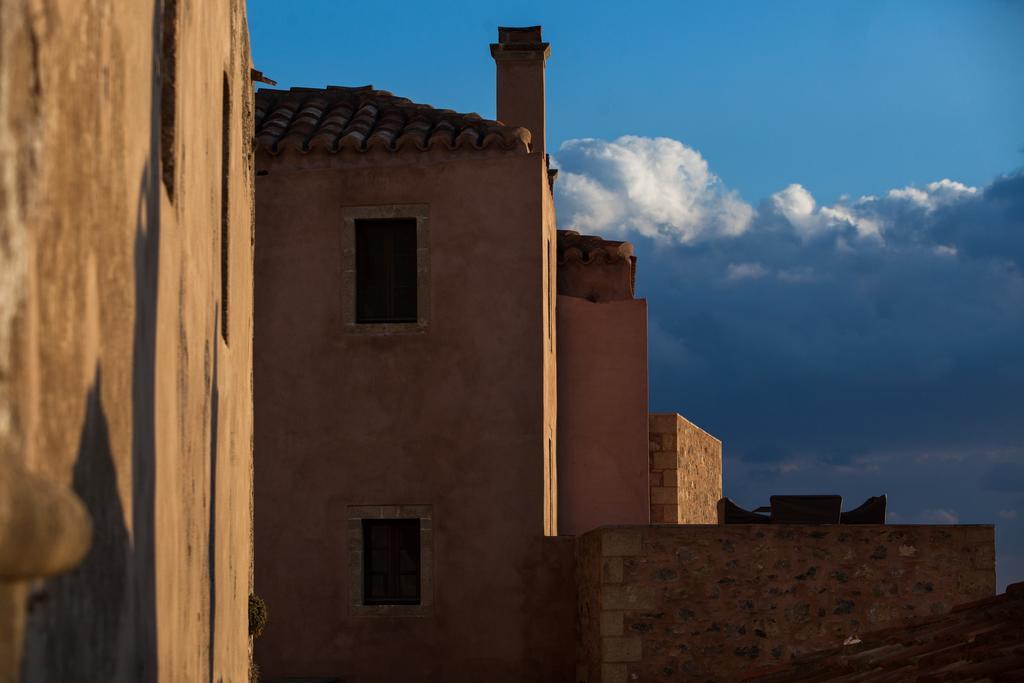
x=361 y=118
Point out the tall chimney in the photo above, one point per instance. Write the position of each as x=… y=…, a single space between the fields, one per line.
x=521 y=55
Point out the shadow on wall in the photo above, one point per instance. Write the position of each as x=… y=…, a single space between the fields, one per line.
x=75 y=626
x=98 y=622
x=211 y=551
x=147 y=267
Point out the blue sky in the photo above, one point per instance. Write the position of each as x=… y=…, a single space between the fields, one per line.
x=843 y=97
x=827 y=202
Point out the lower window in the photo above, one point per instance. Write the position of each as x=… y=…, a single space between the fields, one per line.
x=391 y=561
x=390 y=558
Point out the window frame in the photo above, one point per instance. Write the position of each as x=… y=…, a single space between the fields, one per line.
x=349 y=313
x=356 y=545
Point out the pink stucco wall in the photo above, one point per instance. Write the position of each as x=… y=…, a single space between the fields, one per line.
x=456 y=417
x=602 y=413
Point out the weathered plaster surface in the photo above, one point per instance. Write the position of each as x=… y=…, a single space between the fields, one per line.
x=703 y=602
x=457 y=417
x=115 y=383
x=602 y=413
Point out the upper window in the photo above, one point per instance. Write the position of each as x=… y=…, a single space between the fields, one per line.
x=386 y=270
x=391 y=561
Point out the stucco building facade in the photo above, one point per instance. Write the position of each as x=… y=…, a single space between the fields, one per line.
x=444 y=415
x=125 y=340
x=457 y=473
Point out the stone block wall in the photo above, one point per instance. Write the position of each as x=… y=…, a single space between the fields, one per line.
x=685 y=471
x=707 y=602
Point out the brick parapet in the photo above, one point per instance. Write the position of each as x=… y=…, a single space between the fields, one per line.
x=707 y=602
x=685 y=471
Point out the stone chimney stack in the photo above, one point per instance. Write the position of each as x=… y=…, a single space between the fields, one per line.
x=521 y=55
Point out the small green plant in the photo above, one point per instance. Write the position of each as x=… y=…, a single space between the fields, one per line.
x=258 y=616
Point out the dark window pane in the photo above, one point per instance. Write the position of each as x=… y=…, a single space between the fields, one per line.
x=379 y=536
x=407 y=562
x=379 y=560
x=386 y=271
x=409 y=586
x=391 y=561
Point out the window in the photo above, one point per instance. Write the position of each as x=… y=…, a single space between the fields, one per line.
x=386 y=271
x=391 y=561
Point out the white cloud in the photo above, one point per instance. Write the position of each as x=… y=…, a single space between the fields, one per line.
x=939 y=516
x=940 y=193
x=797 y=274
x=796 y=204
x=933 y=456
x=745 y=271
x=662 y=189
x=657 y=187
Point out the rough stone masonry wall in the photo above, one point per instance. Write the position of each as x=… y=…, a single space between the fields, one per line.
x=685 y=471
x=710 y=602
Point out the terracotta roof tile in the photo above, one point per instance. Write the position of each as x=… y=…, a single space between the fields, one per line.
x=977 y=641
x=593 y=268
x=336 y=118
x=573 y=246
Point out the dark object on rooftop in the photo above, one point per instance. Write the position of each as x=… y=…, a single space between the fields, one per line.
x=731 y=513
x=806 y=509
x=872 y=511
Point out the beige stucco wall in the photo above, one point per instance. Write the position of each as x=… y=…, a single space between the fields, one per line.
x=455 y=415
x=115 y=382
x=549 y=319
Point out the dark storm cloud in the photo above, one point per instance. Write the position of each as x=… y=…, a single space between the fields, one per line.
x=1005 y=477
x=990 y=226
x=881 y=323
x=877 y=336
